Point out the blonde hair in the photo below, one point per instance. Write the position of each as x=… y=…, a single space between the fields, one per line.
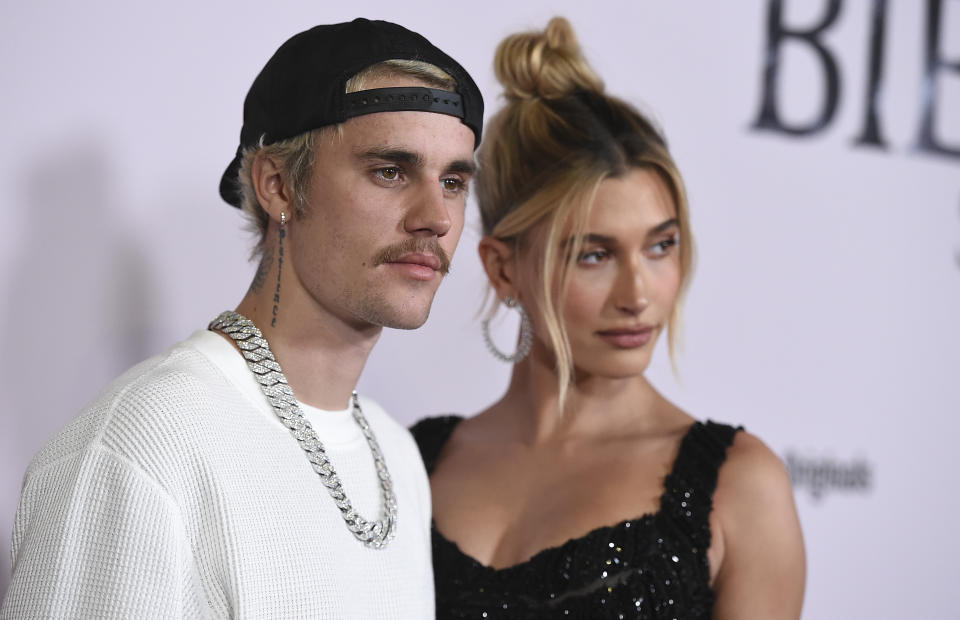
x=544 y=156
x=297 y=154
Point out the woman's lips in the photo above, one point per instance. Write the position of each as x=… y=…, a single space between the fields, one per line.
x=627 y=338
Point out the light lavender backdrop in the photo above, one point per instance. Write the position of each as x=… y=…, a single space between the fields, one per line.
x=823 y=314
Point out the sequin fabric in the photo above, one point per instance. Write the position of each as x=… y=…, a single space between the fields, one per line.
x=654 y=566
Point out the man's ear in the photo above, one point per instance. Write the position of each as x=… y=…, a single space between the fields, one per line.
x=273 y=192
x=499 y=261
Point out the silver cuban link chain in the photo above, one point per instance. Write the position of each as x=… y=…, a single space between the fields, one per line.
x=374 y=534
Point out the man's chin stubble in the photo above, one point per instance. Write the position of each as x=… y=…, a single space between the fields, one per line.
x=384 y=315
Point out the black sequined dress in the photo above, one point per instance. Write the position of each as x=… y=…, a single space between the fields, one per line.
x=654 y=566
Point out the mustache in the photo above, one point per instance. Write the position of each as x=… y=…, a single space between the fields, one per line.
x=414 y=245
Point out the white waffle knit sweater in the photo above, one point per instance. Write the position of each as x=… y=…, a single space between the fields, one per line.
x=179 y=494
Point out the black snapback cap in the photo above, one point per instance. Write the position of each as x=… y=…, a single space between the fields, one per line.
x=302 y=86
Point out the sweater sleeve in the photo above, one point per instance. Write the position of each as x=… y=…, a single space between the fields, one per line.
x=94 y=537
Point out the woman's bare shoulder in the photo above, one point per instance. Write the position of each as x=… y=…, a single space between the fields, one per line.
x=762 y=571
x=752 y=468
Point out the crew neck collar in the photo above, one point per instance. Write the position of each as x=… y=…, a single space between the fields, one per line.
x=332 y=426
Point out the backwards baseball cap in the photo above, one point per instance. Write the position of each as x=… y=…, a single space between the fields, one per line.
x=302 y=87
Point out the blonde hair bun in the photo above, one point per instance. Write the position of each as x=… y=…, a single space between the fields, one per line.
x=545 y=64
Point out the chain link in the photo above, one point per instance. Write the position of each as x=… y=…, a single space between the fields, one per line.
x=261 y=361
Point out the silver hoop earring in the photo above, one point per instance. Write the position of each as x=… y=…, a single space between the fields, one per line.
x=526 y=335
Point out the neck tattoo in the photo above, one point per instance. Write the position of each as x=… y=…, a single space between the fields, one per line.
x=261 y=361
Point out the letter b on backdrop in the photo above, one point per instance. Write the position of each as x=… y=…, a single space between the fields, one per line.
x=935 y=67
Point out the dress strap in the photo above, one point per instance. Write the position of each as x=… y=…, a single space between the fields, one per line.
x=431 y=435
x=688 y=494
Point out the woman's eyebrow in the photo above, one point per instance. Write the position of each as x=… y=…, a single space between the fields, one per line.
x=659 y=228
x=610 y=240
x=590 y=238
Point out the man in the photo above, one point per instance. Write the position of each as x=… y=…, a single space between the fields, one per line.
x=235 y=475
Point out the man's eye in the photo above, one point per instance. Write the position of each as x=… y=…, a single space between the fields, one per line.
x=452 y=185
x=389 y=174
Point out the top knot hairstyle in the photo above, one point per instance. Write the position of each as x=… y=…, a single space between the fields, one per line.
x=545 y=64
x=544 y=155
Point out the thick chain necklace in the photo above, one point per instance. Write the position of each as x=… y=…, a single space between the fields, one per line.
x=260 y=359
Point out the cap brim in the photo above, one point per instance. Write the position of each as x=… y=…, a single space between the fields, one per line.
x=230 y=183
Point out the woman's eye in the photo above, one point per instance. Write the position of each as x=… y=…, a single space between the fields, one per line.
x=664 y=246
x=594 y=257
x=389 y=174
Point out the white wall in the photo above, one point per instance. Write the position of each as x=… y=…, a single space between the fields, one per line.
x=823 y=314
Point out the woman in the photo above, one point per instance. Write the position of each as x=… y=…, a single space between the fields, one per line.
x=583 y=493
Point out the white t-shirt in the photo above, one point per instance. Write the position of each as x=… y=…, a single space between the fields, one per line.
x=179 y=494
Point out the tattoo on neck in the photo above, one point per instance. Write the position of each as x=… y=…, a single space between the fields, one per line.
x=260 y=277
x=276 y=294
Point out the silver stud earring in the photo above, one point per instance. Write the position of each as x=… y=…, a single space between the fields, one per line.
x=526 y=334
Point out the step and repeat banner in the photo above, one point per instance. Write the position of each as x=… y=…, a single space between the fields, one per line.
x=820 y=141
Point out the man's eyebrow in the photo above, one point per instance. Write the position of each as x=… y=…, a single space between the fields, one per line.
x=463 y=166
x=396 y=155
x=413 y=159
